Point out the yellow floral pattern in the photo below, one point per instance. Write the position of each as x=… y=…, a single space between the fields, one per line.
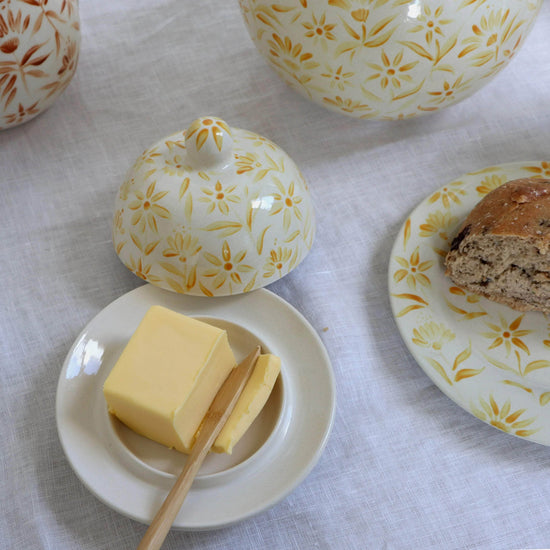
x=213 y=229
x=432 y=335
x=489 y=183
x=39 y=47
x=502 y=416
x=507 y=334
x=412 y=270
x=201 y=130
x=493 y=361
x=388 y=59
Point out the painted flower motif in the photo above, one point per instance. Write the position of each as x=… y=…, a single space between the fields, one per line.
x=65 y=73
x=543 y=170
x=430 y=23
x=143 y=271
x=117 y=222
x=203 y=128
x=146 y=209
x=438 y=223
x=259 y=141
x=21 y=114
x=173 y=166
x=250 y=162
x=470 y=298
x=247 y=162
x=432 y=335
x=21 y=65
x=69 y=59
x=346 y=105
x=372 y=35
x=286 y=201
x=147 y=157
x=413 y=270
x=391 y=72
x=289 y=56
x=338 y=78
x=125 y=188
x=507 y=334
x=450 y=92
x=219 y=197
x=11 y=26
x=182 y=246
x=493 y=31
x=276 y=262
x=319 y=30
x=228 y=268
x=503 y=418
x=349 y=5
x=490 y=183
x=448 y=194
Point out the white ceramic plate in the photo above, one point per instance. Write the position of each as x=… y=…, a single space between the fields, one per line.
x=491 y=360
x=133 y=475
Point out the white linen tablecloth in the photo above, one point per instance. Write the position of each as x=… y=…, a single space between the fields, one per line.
x=404 y=467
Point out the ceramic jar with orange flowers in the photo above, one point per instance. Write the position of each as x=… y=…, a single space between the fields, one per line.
x=388 y=59
x=39 y=46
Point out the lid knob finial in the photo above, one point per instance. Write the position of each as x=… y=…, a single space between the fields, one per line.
x=208 y=142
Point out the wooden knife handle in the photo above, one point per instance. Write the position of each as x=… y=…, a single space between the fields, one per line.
x=218 y=413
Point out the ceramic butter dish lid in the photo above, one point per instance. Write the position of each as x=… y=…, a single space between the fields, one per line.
x=213 y=211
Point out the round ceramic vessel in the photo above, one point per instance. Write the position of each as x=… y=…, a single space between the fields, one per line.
x=388 y=59
x=213 y=211
x=39 y=46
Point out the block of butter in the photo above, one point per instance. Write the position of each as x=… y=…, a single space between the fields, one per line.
x=167 y=376
x=251 y=401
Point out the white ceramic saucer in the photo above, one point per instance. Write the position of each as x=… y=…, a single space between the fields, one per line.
x=132 y=474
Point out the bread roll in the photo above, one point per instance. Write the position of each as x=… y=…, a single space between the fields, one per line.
x=502 y=250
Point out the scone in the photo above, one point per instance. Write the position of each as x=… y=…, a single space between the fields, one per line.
x=502 y=250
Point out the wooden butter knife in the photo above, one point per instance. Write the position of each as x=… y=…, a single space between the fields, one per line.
x=214 y=420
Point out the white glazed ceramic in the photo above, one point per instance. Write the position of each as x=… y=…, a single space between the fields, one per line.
x=133 y=475
x=388 y=58
x=39 y=47
x=491 y=360
x=213 y=211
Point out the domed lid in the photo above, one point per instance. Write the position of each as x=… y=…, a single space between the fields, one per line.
x=213 y=211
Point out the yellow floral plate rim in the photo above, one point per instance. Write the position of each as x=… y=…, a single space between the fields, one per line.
x=489 y=359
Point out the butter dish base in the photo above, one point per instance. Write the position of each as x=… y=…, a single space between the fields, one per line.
x=132 y=475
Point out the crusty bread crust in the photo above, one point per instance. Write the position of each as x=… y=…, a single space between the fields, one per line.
x=502 y=249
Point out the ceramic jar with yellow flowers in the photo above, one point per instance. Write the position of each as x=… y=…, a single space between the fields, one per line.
x=388 y=59
x=213 y=211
